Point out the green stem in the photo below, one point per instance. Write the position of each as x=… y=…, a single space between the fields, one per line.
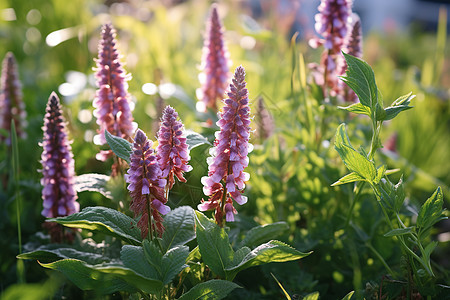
x=378 y=255
x=357 y=192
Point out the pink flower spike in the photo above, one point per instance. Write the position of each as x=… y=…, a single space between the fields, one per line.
x=12 y=106
x=215 y=65
x=145 y=185
x=229 y=154
x=57 y=161
x=112 y=102
x=173 y=153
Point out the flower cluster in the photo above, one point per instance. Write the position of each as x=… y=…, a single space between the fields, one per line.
x=332 y=23
x=57 y=165
x=146 y=186
x=226 y=175
x=173 y=155
x=112 y=102
x=12 y=106
x=215 y=65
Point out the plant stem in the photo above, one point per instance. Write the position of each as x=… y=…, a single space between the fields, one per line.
x=357 y=192
x=149 y=214
x=378 y=255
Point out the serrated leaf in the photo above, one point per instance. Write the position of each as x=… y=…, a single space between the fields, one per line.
x=93 y=183
x=121 y=147
x=213 y=244
x=431 y=211
x=361 y=79
x=357 y=108
x=273 y=251
x=194 y=139
x=399 y=231
x=263 y=233
x=104 y=278
x=352 y=177
x=354 y=160
x=212 y=289
x=179 y=227
x=106 y=220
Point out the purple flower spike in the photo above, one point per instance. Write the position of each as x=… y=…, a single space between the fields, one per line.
x=112 y=102
x=226 y=177
x=215 y=65
x=146 y=185
x=173 y=154
x=12 y=106
x=353 y=46
x=57 y=164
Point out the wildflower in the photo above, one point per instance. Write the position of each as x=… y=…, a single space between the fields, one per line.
x=173 y=155
x=12 y=106
x=226 y=176
x=112 y=102
x=352 y=46
x=57 y=164
x=146 y=186
x=332 y=24
x=215 y=65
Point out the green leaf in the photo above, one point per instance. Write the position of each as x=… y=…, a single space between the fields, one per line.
x=106 y=220
x=399 y=231
x=431 y=211
x=380 y=173
x=53 y=252
x=273 y=251
x=361 y=79
x=212 y=289
x=348 y=296
x=399 y=105
x=121 y=147
x=93 y=183
x=179 y=227
x=357 y=108
x=263 y=233
x=133 y=257
x=312 y=296
x=214 y=245
x=355 y=161
x=103 y=278
x=194 y=139
x=352 y=177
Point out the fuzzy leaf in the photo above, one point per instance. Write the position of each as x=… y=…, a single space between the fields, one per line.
x=214 y=245
x=121 y=147
x=399 y=231
x=194 y=139
x=133 y=257
x=93 y=183
x=51 y=253
x=106 y=220
x=179 y=227
x=357 y=108
x=263 y=233
x=431 y=211
x=352 y=177
x=104 y=278
x=173 y=262
x=361 y=79
x=273 y=251
x=355 y=161
x=380 y=172
x=212 y=289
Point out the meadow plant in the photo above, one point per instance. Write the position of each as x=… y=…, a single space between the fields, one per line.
x=146 y=186
x=172 y=150
x=12 y=106
x=229 y=156
x=112 y=101
x=58 y=171
x=214 y=66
